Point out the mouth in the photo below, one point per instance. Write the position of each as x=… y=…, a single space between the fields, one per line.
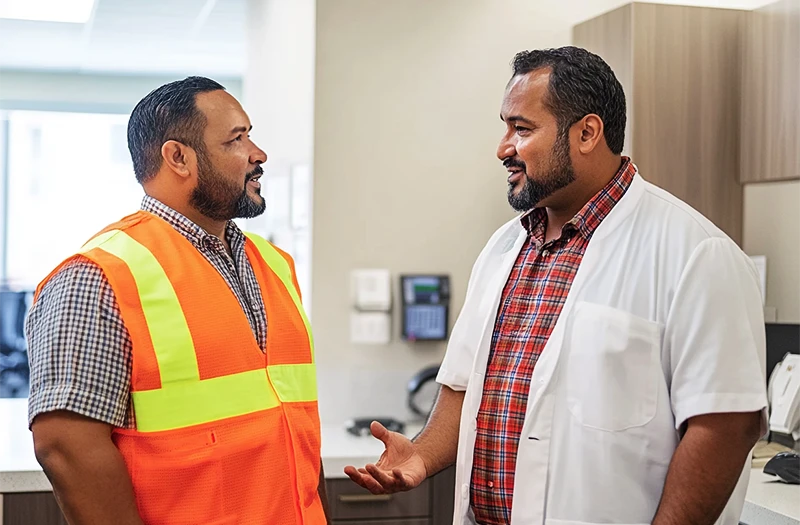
x=514 y=175
x=253 y=182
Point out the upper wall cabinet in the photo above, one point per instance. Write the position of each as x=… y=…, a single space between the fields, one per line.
x=681 y=71
x=770 y=144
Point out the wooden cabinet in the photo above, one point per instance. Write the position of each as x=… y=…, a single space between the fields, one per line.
x=681 y=71
x=348 y=501
x=30 y=508
x=429 y=504
x=770 y=131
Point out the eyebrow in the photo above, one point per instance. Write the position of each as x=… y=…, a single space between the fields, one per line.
x=517 y=118
x=240 y=129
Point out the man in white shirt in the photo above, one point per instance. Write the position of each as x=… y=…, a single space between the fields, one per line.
x=608 y=363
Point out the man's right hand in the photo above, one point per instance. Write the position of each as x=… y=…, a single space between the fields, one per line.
x=399 y=468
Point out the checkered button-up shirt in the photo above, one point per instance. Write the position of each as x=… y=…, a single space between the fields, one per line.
x=79 y=348
x=530 y=305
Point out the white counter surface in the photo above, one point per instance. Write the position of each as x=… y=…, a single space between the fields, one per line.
x=20 y=472
x=769 y=502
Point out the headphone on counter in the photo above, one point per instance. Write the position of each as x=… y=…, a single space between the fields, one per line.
x=415 y=386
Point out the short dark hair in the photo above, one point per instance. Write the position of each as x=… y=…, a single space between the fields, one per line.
x=581 y=83
x=166 y=113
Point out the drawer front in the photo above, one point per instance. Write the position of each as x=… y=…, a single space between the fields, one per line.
x=411 y=521
x=349 y=501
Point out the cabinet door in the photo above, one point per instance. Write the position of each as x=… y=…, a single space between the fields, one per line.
x=31 y=508
x=770 y=130
x=421 y=521
x=443 y=496
x=349 y=501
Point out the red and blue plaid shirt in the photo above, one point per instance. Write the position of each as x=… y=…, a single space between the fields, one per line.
x=531 y=303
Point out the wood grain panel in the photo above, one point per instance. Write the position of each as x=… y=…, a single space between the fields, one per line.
x=686 y=80
x=611 y=37
x=410 y=521
x=349 y=501
x=31 y=508
x=770 y=134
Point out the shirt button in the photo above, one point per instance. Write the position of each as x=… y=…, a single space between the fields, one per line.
x=491 y=484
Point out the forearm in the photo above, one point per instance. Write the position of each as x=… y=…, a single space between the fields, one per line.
x=91 y=486
x=704 y=471
x=437 y=444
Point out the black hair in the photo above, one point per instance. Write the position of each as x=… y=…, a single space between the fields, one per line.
x=167 y=113
x=581 y=83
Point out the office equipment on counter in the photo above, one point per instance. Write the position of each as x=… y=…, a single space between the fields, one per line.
x=765 y=451
x=784 y=397
x=426 y=301
x=782 y=339
x=786 y=466
x=422 y=391
x=360 y=426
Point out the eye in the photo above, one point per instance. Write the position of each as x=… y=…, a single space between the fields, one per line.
x=238 y=139
x=521 y=130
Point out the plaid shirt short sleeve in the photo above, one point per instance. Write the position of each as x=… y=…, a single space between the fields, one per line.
x=79 y=349
x=529 y=309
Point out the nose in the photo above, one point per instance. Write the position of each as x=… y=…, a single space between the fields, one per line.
x=506 y=148
x=257 y=156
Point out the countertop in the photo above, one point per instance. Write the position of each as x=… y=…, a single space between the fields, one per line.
x=768 y=502
x=20 y=472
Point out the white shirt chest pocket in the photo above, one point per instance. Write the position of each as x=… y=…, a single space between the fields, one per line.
x=612 y=367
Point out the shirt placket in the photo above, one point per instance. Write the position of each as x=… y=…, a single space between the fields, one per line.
x=216 y=251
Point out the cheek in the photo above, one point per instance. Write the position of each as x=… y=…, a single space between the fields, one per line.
x=530 y=151
x=535 y=152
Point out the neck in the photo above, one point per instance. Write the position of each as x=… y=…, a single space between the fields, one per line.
x=574 y=197
x=213 y=227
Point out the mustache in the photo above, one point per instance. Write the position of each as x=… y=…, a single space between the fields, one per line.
x=511 y=162
x=255 y=173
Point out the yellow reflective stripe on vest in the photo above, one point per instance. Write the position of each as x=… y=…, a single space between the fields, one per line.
x=185 y=400
x=278 y=264
x=169 y=332
x=294 y=383
x=187 y=404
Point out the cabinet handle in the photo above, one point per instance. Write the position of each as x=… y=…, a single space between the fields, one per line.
x=364 y=498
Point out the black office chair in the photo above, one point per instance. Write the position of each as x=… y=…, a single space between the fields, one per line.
x=14 y=369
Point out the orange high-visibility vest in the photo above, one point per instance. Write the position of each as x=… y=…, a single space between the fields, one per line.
x=225 y=433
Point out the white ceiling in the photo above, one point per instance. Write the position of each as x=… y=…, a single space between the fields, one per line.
x=136 y=37
x=204 y=37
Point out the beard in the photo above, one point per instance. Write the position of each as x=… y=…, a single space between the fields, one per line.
x=220 y=199
x=559 y=174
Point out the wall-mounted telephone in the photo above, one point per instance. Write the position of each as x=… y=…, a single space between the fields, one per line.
x=426 y=301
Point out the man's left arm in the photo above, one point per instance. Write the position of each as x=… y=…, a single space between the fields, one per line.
x=706 y=467
x=323 y=493
x=715 y=345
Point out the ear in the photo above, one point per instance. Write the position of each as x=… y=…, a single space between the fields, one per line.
x=590 y=133
x=180 y=158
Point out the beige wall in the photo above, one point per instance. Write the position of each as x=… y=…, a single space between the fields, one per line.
x=772 y=228
x=407 y=95
x=405 y=175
